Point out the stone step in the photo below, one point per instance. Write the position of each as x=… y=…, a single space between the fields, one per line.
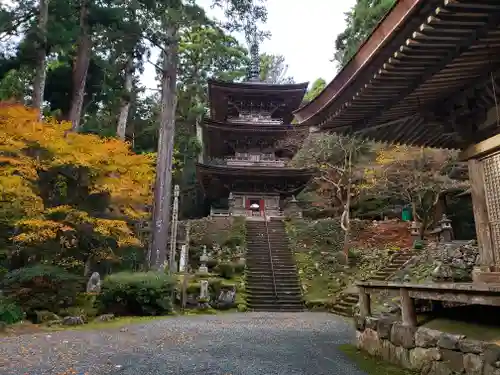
x=279 y=287
x=256 y=272
x=276 y=307
x=341 y=311
x=268 y=284
x=350 y=299
x=255 y=299
x=270 y=293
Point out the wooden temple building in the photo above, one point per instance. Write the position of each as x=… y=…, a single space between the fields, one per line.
x=242 y=167
x=429 y=76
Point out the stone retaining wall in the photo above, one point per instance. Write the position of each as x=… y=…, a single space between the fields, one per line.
x=425 y=350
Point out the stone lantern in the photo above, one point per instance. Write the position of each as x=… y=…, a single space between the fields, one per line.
x=446 y=229
x=203 y=261
x=415 y=230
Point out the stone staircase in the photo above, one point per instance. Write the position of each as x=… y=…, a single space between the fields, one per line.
x=349 y=299
x=260 y=289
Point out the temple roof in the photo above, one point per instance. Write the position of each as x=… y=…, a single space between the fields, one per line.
x=227 y=98
x=282 y=180
x=428 y=69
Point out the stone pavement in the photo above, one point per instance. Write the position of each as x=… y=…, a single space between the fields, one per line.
x=235 y=344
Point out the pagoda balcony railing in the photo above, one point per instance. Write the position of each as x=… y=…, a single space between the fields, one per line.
x=247 y=162
x=245 y=119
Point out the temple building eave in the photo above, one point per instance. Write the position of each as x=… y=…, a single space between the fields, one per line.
x=278 y=172
x=418 y=86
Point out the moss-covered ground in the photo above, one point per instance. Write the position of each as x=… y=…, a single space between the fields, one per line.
x=318 y=250
x=371 y=365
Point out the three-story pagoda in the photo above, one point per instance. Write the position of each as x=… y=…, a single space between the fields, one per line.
x=243 y=168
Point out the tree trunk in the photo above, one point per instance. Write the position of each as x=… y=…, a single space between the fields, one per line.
x=163 y=183
x=121 y=129
x=41 y=55
x=80 y=67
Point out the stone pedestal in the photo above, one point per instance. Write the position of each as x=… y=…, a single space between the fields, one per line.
x=484 y=173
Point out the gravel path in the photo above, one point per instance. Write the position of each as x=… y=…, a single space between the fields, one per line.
x=228 y=344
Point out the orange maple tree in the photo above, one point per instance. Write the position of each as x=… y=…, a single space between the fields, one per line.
x=74 y=196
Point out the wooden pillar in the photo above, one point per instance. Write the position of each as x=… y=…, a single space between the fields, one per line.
x=483 y=230
x=408 y=312
x=365 y=309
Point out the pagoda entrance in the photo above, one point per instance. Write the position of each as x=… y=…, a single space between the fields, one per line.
x=255 y=207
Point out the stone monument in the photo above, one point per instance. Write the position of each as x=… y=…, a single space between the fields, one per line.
x=94 y=283
x=203 y=261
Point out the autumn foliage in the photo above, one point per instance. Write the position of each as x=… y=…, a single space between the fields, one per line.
x=67 y=199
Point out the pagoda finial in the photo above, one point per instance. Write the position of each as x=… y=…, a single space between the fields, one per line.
x=254 y=61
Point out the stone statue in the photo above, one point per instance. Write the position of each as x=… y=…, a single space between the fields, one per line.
x=204 y=289
x=94 y=283
x=226 y=299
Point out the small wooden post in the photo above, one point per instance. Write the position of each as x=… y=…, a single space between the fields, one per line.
x=365 y=309
x=409 y=314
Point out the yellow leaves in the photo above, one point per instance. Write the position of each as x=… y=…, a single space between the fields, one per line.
x=115 y=167
x=38 y=231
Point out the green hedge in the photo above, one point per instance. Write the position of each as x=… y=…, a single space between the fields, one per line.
x=140 y=293
x=42 y=287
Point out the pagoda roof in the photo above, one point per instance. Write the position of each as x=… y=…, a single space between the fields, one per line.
x=424 y=77
x=283 y=180
x=251 y=127
x=223 y=95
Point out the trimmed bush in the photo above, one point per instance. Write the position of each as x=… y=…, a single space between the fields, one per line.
x=226 y=270
x=140 y=293
x=10 y=312
x=239 y=268
x=42 y=287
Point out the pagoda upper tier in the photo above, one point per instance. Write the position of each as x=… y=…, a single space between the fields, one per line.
x=254 y=102
x=223 y=139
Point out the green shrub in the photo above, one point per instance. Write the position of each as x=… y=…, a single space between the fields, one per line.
x=140 y=293
x=242 y=307
x=239 y=268
x=42 y=287
x=10 y=312
x=226 y=270
x=212 y=263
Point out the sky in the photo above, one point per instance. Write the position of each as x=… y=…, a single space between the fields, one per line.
x=304 y=32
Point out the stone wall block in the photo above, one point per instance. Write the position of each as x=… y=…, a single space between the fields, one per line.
x=420 y=358
x=402 y=357
x=402 y=335
x=472 y=346
x=384 y=326
x=492 y=355
x=370 y=342
x=426 y=337
x=440 y=368
x=449 y=341
x=387 y=350
x=490 y=370
x=473 y=364
x=371 y=322
x=454 y=360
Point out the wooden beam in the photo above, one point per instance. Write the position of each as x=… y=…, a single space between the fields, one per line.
x=481 y=218
x=480 y=149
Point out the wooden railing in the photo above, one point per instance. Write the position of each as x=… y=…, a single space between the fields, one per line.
x=270 y=257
